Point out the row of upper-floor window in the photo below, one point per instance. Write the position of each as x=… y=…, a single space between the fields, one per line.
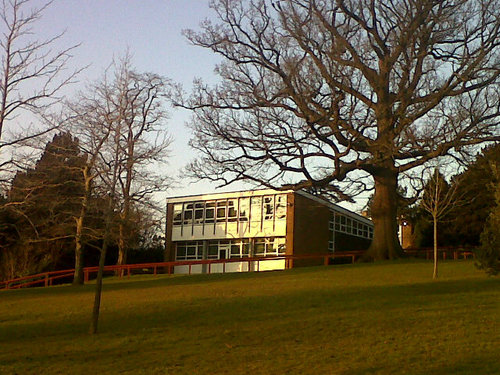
x=344 y=224
x=268 y=207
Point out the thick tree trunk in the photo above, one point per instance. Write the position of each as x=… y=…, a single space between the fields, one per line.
x=385 y=244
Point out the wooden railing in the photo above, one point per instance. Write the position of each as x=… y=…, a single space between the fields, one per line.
x=443 y=252
x=48 y=278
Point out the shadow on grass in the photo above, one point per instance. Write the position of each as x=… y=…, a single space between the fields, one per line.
x=255 y=322
x=164 y=280
x=150 y=281
x=217 y=308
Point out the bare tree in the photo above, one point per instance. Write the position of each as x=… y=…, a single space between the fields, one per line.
x=92 y=123
x=120 y=122
x=121 y=118
x=32 y=73
x=143 y=140
x=319 y=94
x=438 y=200
x=110 y=175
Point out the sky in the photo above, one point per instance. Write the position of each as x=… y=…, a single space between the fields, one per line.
x=151 y=30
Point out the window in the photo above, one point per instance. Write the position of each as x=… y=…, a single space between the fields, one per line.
x=268 y=208
x=209 y=212
x=188 y=213
x=256 y=208
x=189 y=250
x=240 y=248
x=198 y=212
x=269 y=246
x=232 y=213
x=355 y=227
x=331 y=241
x=349 y=225
x=337 y=221
x=213 y=251
x=219 y=249
x=344 y=224
x=343 y=227
x=260 y=246
x=221 y=211
x=177 y=214
x=244 y=209
x=280 y=207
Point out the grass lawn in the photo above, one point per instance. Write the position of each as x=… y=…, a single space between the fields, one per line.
x=382 y=318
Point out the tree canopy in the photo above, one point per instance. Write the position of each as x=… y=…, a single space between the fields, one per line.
x=315 y=92
x=478 y=196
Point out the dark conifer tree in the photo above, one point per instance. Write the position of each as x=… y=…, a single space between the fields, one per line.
x=40 y=210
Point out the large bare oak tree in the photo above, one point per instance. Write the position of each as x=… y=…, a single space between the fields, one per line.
x=317 y=92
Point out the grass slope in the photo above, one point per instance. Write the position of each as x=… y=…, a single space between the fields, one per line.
x=385 y=318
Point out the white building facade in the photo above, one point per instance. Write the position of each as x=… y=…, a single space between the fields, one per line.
x=255 y=223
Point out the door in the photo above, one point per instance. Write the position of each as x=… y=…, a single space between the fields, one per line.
x=224 y=250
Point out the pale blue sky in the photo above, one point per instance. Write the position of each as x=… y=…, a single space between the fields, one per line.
x=151 y=30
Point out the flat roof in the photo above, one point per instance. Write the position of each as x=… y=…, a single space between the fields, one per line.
x=224 y=195
x=335 y=207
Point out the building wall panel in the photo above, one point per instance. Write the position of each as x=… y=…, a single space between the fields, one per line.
x=268 y=228
x=311 y=231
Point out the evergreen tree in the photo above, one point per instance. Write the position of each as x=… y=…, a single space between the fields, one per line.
x=488 y=254
x=479 y=200
x=40 y=210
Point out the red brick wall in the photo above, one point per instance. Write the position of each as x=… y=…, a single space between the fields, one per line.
x=310 y=229
x=347 y=242
x=169 y=248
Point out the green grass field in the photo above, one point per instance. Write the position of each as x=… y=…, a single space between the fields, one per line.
x=383 y=318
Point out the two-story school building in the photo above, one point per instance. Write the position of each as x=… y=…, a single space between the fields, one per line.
x=259 y=223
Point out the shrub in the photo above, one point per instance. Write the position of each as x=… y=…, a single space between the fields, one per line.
x=488 y=254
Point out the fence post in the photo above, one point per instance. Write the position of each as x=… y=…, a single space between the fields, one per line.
x=46 y=279
x=154 y=270
x=326 y=260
